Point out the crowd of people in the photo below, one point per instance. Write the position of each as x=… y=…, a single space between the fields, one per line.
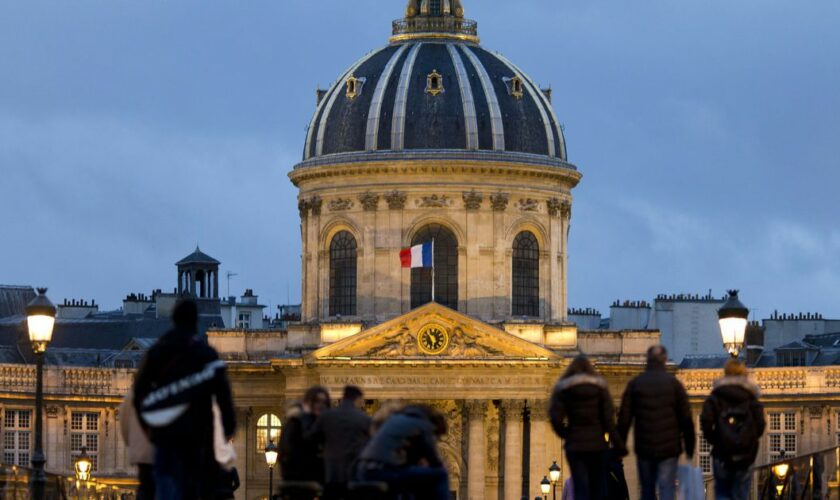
x=656 y=405
x=178 y=422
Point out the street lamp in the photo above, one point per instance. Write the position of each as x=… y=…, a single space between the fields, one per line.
x=732 y=317
x=83 y=465
x=554 y=475
x=40 y=320
x=271 y=461
x=545 y=486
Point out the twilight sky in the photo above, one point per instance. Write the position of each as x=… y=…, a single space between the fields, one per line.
x=706 y=131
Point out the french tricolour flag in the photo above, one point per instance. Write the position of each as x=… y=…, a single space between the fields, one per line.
x=417 y=256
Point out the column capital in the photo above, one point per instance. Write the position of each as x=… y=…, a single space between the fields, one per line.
x=539 y=409
x=475 y=409
x=512 y=408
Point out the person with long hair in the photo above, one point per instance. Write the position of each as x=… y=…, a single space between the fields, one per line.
x=582 y=414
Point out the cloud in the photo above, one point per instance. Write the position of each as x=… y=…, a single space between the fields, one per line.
x=106 y=206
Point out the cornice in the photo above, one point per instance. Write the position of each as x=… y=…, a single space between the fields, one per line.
x=565 y=175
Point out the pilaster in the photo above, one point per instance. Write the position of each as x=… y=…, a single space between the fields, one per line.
x=477 y=461
x=512 y=413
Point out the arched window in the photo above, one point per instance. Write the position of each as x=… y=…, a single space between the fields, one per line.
x=268 y=428
x=526 y=275
x=343 y=274
x=445 y=270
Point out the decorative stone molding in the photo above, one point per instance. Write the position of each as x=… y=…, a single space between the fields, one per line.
x=303 y=208
x=512 y=408
x=475 y=409
x=315 y=204
x=698 y=381
x=553 y=205
x=539 y=409
x=815 y=411
x=566 y=210
x=434 y=201
x=396 y=200
x=369 y=201
x=472 y=200
x=340 y=205
x=528 y=205
x=832 y=378
x=492 y=432
x=499 y=201
x=52 y=411
x=86 y=381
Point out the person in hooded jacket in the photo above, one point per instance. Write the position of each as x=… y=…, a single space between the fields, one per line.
x=301 y=458
x=656 y=404
x=176 y=384
x=581 y=412
x=732 y=422
x=403 y=453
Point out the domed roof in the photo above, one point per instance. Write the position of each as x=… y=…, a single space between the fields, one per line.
x=433 y=88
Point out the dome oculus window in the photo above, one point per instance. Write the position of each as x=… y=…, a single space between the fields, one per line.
x=354 y=86
x=514 y=87
x=434 y=83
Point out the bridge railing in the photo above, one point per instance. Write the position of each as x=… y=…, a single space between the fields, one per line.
x=809 y=476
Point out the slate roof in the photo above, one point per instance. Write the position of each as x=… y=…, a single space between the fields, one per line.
x=13 y=300
x=393 y=111
x=197 y=257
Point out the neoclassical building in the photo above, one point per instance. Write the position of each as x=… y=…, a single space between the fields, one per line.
x=430 y=138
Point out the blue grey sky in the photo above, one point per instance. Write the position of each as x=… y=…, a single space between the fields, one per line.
x=706 y=131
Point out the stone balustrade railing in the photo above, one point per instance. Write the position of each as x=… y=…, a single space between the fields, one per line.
x=781 y=380
x=90 y=381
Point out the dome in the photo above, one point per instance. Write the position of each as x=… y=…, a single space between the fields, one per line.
x=434 y=89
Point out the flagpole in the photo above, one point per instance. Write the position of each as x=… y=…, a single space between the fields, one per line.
x=433 y=269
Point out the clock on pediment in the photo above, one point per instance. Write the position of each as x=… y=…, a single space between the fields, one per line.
x=433 y=339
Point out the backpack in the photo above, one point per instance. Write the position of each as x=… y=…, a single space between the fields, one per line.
x=737 y=438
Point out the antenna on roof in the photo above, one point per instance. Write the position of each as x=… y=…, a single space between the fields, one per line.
x=229 y=276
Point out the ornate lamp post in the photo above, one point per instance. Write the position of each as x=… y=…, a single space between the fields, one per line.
x=554 y=475
x=40 y=320
x=83 y=466
x=545 y=486
x=732 y=317
x=271 y=461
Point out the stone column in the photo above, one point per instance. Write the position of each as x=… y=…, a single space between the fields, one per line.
x=541 y=433
x=477 y=460
x=512 y=412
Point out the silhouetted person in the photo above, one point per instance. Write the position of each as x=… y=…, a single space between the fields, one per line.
x=300 y=454
x=227 y=484
x=581 y=412
x=656 y=404
x=733 y=421
x=344 y=431
x=403 y=453
x=175 y=387
x=141 y=452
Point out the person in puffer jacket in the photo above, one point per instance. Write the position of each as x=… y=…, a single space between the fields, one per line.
x=581 y=412
x=176 y=384
x=733 y=421
x=404 y=454
x=656 y=404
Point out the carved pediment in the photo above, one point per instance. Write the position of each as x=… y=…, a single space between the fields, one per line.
x=434 y=332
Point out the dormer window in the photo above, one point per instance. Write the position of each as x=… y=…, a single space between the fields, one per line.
x=351 y=87
x=354 y=86
x=514 y=87
x=434 y=83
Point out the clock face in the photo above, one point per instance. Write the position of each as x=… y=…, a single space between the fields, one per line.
x=433 y=339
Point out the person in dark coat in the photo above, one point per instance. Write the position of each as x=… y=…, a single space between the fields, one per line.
x=656 y=404
x=343 y=432
x=582 y=414
x=178 y=380
x=228 y=483
x=403 y=453
x=733 y=421
x=300 y=455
